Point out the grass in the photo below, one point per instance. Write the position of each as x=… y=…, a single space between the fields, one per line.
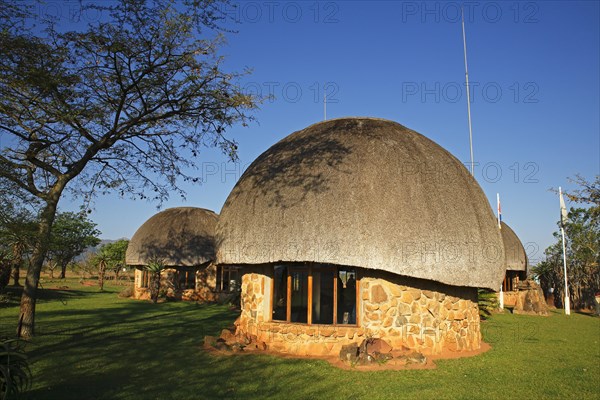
x=92 y=345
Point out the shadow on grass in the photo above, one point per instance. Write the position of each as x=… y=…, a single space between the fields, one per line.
x=141 y=350
x=44 y=294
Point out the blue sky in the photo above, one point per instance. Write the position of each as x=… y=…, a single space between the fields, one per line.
x=534 y=68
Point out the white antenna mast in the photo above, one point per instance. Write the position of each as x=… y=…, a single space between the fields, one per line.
x=468 y=91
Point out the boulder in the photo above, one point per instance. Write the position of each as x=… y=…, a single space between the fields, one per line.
x=377 y=345
x=349 y=353
x=228 y=337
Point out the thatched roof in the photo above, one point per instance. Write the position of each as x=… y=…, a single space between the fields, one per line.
x=182 y=236
x=363 y=192
x=515 y=255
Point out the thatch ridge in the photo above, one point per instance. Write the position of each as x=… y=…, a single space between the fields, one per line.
x=515 y=254
x=181 y=236
x=363 y=192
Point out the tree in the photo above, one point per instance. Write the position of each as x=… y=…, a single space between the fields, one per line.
x=124 y=104
x=72 y=233
x=5 y=267
x=17 y=234
x=582 y=234
x=154 y=268
x=110 y=256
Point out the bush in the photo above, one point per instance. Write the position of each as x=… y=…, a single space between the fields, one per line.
x=5 y=268
x=487 y=301
x=15 y=376
x=127 y=292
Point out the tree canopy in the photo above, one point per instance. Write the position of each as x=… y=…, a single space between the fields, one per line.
x=582 y=235
x=121 y=104
x=72 y=233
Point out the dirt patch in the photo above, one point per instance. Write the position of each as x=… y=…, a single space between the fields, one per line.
x=400 y=360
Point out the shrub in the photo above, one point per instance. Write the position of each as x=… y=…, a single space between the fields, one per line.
x=127 y=292
x=487 y=301
x=15 y=376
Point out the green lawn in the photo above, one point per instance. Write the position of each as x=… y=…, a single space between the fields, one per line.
x=94 y=345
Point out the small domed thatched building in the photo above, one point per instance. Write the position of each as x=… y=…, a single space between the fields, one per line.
x=522 y=295
x=182 y=239
x=355 y=228
x=515 y=259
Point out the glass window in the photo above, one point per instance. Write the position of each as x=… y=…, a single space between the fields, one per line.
x=280 y=293
x=315 y=294
x=228 y=279
x=299 y=309
x=186 y=278
x=322 y=296
x=346 y=291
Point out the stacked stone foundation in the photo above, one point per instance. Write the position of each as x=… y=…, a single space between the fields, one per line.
x=204 y=291
x=407 y=313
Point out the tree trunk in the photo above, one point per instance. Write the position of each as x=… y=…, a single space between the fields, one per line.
x=26 y=323
x=101 y=275
x=155 y=286
x=16 y=272
x=17 y=250
x=63 y=271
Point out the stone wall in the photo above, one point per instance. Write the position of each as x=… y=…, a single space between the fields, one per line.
x=408 y=313
x=204 y=291
x=528 y=298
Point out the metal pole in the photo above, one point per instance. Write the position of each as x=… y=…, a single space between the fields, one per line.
x=567 y=301
x=468 y=91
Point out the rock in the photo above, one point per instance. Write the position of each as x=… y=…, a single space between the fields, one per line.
x=378 y=346
x=210 y=340
x=349 y=353
x=221 y=345
x=378 y=294
x=236 y=347
x=414 y=358
x=380 y=358
x=228 y=337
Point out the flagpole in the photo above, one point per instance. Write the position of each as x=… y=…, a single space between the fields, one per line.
x=567 y=301
x=501 y=296
x=468 y=91
x=499 y=211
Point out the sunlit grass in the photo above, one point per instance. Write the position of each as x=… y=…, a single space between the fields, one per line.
x=93 y=345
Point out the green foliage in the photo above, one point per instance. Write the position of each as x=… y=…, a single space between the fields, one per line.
x=18 y=230
x=15 y=375
x=487 y=301
x=127 y=292
x=582 y=240
x=110 y=256
x=71 y=234
x=113 y=255
x=154 y=268
x=123 y=103
x=5 y=267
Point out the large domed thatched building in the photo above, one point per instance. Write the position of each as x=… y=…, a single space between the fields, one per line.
x=355 y=228
x=182 y=239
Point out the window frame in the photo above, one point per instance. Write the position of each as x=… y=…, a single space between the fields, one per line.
x=227 y=270
x=188 y=276
x=310 y=268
